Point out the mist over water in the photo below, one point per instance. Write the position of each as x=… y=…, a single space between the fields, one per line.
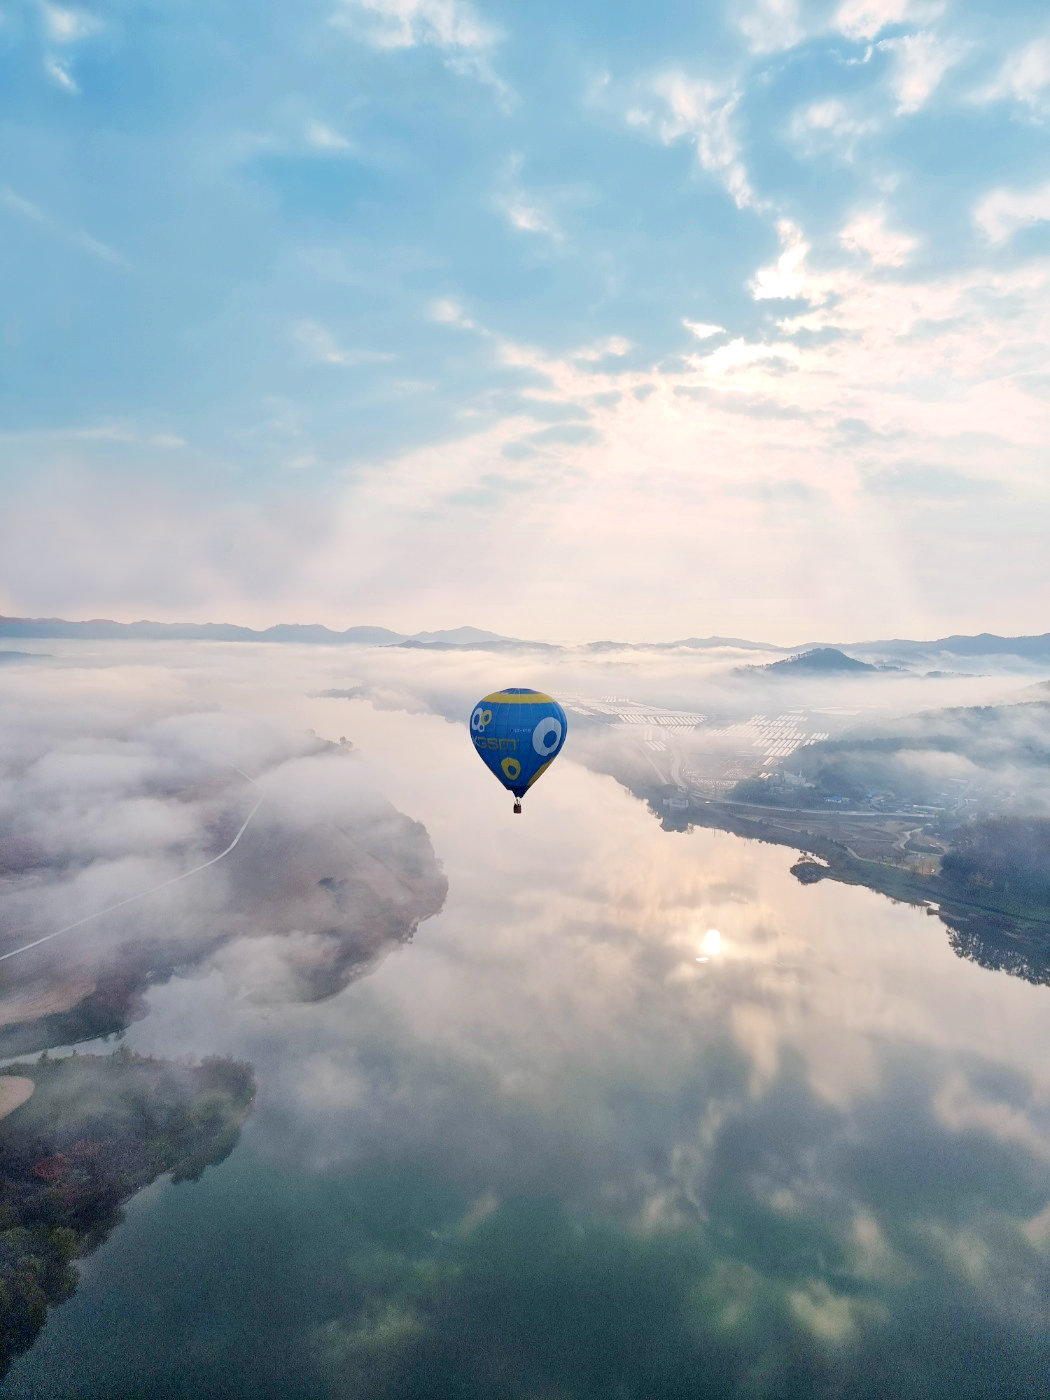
x=634 y=1114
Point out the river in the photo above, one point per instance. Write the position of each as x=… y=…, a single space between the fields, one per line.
x=570 y=1143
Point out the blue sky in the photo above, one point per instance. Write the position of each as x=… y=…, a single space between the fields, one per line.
x=562 y=319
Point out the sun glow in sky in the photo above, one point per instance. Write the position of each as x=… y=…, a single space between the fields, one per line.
x=565 y=320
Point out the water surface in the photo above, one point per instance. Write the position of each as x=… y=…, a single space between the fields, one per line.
x=569 y=1144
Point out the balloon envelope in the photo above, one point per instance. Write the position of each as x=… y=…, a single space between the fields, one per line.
x=518 y=733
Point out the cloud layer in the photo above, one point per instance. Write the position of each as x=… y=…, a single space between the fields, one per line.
x=337 y=343
x=161 y=837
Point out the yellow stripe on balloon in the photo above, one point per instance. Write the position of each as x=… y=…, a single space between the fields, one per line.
x=540 y=771
x=504 y=697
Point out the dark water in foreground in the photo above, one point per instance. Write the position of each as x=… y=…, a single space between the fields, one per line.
x=546 y=1151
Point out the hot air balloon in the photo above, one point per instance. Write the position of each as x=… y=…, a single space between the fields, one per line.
x=518 y=733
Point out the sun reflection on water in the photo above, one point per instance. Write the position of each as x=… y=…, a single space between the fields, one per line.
x=712 y=945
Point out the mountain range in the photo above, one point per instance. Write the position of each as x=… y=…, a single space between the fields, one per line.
x=103 y=629
x=1029 y=648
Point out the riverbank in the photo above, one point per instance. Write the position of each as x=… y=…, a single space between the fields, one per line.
x=79 y=1136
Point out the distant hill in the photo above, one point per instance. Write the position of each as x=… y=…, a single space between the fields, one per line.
x=460 y=636
x=497 y=644
x=103 y=629
x=9 y=657
x=814 y=657
x=689 y=643
x=449 y=639
x=1035 y=648
x=297 y=632
x=819 y=661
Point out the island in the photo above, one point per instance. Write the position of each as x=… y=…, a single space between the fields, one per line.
x=79 y=1136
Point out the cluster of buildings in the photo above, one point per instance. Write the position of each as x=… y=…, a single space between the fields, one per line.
x=717 y=755
x=776 y=736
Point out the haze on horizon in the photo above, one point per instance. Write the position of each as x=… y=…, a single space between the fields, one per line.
x=566 y=322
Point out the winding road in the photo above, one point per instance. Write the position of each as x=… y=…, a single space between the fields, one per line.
x=142 y=894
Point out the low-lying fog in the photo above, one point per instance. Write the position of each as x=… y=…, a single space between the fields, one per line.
x=125 y=764
x=805 y=1156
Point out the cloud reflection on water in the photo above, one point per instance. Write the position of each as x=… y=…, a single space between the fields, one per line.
x=826 y=1149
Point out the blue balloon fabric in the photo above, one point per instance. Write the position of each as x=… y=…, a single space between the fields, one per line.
x=518 y=733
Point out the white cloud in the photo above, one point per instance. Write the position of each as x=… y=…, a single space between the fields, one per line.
x=868 y=234
x=1024 y=77
x=448 y=312
x=742 y=354
x=60 y=75
x=611 y=345
x=771 y=26
x=69 y=26
x=402 y=24
x=1002 y=212
x=324 y=138
x=886 y=353
x=828 y=126
x=522 y=209
x=932 y=373
x=701 y=111
x=125 y=433
x=530 y=218
x=26 y=209
x=703 y=330
x=863 y=19
x=320 y=344
x=920 y=62
x=450 y=25
x=785 y=278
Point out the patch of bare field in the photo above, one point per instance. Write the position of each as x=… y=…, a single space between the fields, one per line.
x=38 y=999
x=14 y=1090
x=886 y=852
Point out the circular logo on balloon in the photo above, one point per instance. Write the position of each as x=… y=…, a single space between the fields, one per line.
x=480 y=718
x=511 y=769
x=546 y=736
